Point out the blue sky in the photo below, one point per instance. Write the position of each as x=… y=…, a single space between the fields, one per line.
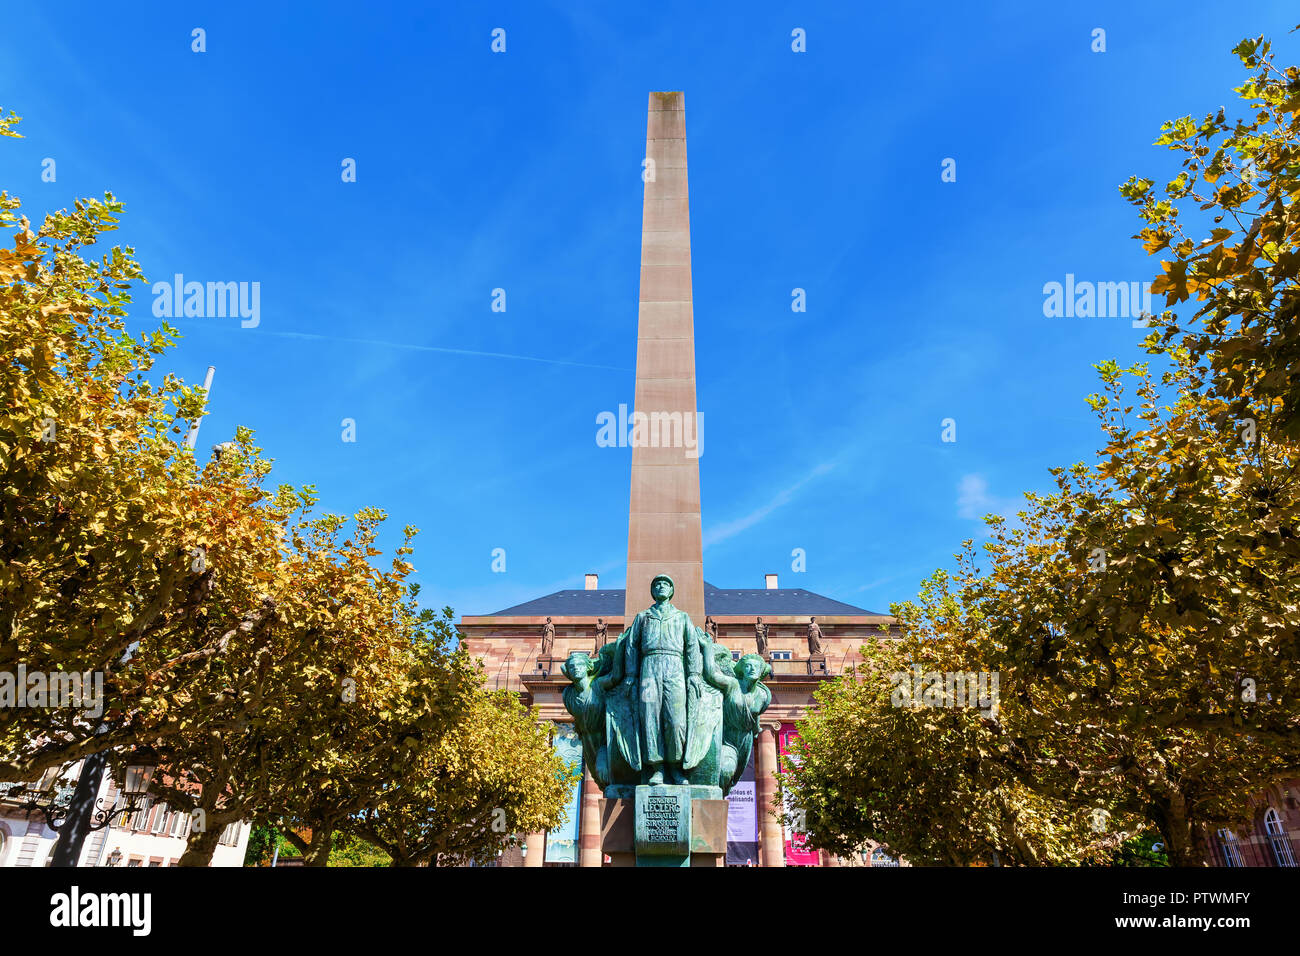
x=521 y=170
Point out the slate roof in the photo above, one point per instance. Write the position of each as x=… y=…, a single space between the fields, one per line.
x=608 y=602
x=774 y=601
x=603 y=602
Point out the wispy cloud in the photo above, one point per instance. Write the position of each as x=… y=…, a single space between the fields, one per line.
x=874 y=584
x=732 y=528
x=974 y=500
x=438 y=348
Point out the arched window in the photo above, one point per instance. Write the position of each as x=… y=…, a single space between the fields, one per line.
x=1277 y=839
x=1231 y=852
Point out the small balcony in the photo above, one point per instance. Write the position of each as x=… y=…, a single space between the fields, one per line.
x=792 y=666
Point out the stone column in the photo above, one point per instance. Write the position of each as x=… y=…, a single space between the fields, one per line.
x=536 y=844
x=589 y=852
x=664 y=507
x=771 y=843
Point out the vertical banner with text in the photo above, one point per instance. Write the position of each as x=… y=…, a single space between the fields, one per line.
x=742 y=819
x=562 y=842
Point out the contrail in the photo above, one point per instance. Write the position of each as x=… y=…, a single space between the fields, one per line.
x=722 y=532
x=437 y=348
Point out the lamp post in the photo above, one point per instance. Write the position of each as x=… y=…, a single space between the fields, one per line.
x=86 y=811
x=193 y=435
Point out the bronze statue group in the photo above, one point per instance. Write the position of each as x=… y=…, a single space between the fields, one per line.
x=664 y=703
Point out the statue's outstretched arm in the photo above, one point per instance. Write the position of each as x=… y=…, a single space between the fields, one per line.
x=716 y=677
x=706 y=664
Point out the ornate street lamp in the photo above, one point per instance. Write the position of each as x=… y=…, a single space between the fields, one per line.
x=140 y=767
x=44 y=788
x=48 y=799
x=115 y=857
x=40 y=796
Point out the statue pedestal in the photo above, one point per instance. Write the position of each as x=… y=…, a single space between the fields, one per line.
x=664 y=826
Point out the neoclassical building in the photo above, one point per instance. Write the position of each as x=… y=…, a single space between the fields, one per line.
x=509 y=643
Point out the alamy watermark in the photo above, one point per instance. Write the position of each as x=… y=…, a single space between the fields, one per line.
x=212 y=300
x=84 y=691
x=652 y=430
x=1100 y=300
x=76 y=909
x=948 y=689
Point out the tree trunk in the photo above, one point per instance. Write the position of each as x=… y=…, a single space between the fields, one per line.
x=200 y=846
x=318 y=851
x=76 y=825
x=1182 y=841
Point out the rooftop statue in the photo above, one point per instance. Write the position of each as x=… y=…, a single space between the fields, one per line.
x=548 y=639
x=664 y=704
x=814 y=638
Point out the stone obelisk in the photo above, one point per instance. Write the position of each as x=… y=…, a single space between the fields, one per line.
x=663 y=532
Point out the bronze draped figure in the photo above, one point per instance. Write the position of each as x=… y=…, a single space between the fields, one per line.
x=664 y=703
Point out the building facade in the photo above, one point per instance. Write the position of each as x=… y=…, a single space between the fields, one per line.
x=1273 y=837
x=152 y=835
x=510 y=643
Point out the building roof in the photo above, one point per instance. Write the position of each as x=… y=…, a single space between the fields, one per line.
x=608 y=602
x=773 y=601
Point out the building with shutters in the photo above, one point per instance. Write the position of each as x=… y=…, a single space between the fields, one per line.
x=154 y=835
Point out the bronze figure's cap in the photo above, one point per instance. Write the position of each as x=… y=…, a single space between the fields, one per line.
x=662 y=577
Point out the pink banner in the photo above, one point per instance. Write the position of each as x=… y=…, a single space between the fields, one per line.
x=796 y=851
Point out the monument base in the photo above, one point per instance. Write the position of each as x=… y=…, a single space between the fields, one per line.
x=664 y=826
x=627 y=791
